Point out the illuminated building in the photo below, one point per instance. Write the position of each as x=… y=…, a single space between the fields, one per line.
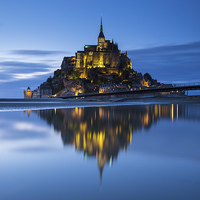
x=145 y=82
x=110 y=87
x=28 y=93
x=103 y=55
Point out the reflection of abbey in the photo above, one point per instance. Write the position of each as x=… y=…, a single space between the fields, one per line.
x=102 y=132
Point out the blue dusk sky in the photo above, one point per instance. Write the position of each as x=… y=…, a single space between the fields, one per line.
x=162 y=37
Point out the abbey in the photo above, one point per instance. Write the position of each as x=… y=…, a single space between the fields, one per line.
x=100 y=68
x=103 y=55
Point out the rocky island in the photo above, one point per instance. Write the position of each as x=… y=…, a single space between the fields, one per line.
x=100 y=68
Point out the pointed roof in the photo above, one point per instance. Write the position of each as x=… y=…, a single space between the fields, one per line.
x=101 y=29
x=101 y=26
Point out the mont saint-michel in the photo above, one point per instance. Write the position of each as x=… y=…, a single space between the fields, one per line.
x=100 y=68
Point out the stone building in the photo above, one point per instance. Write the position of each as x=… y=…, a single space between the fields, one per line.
x=110 y=87
x=36 y=93
x=44 y=91
x=105 y=55
x=145 y=82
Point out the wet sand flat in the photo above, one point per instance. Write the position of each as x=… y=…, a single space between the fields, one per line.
x=36 y=104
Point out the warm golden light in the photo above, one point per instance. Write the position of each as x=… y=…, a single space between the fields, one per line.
x=102 y=132
x=177 y=111
x=172 y=112
x=146 y=119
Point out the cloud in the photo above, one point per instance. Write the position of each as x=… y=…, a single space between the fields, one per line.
x=169 y=63
x=31 y=75
x=24 y=65
x=37 y=52
x=193 y=46
x=5 y=78
x=15 y=70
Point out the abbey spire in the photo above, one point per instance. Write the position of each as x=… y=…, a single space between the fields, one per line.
x=101 y=26
x=101 y=38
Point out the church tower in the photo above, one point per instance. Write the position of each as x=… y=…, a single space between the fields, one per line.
x=101 y=38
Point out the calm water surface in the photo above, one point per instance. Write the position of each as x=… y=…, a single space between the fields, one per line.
x=124 y=152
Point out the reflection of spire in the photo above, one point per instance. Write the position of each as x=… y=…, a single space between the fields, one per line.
x=101 y=174
x=101 y=163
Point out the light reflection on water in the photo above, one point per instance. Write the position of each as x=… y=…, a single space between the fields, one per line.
x=137 y=148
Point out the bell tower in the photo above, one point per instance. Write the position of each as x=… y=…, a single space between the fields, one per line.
x=101 y=38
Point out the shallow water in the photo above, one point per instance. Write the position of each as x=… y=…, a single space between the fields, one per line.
x=42 y=104
x=118 y=152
